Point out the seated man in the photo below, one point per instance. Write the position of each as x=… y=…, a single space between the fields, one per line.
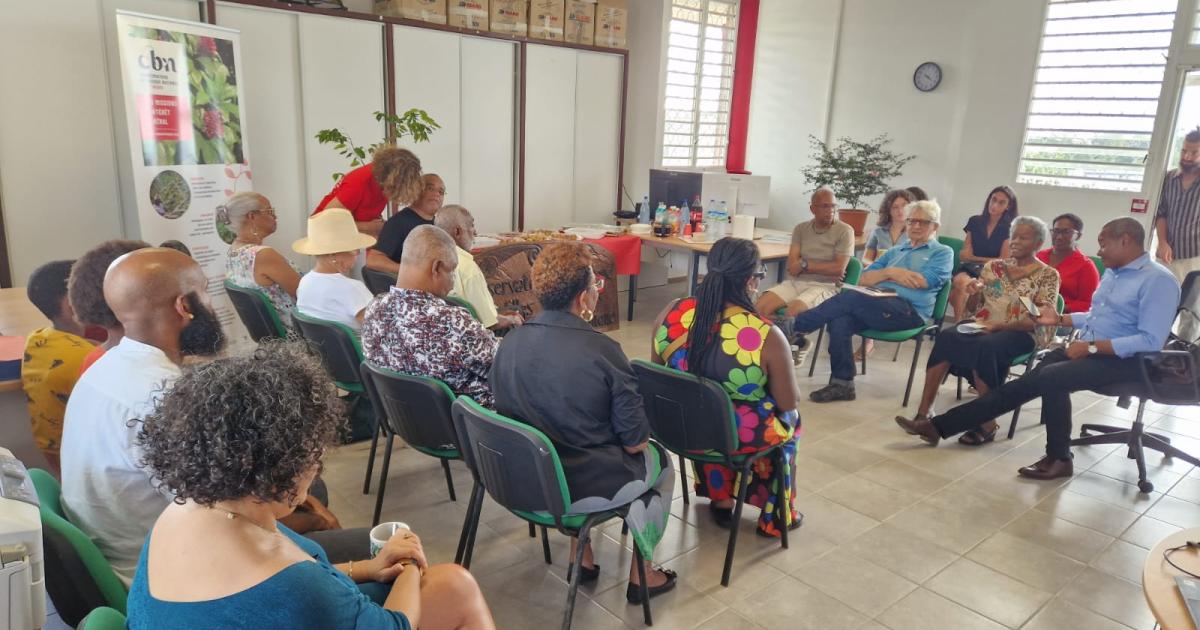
x=469 y=282
x=910 y=274
x=821 y=247
x=386 y=254
x=1132 y=311
x=412 y=329
x=53 y=356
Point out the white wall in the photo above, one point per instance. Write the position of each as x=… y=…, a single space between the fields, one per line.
x=643 y=109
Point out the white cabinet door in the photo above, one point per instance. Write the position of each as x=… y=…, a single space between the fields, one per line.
x=427 y=72
x=550 y=74
x=489 y=132
x=597 y=136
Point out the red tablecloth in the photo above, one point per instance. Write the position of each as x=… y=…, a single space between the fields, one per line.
x=627 y=250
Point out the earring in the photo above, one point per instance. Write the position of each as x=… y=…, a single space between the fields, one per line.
x=587 y=314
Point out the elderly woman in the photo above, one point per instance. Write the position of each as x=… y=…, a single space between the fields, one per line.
x=986 y=239
x=236 y=460
x=394 y=175
x=889 y=230
x=252 y=264
x=1077 y=273
x=582 y=394
x=907 y=279
x=327 y=292
x=85 y=289
x=984 y=353
x=751 y=358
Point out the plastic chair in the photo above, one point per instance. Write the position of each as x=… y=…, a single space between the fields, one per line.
x=1099 y=264
x=854 y=270
x=955 y=244
x=256 y=312
x=378 y=282
x=457 y=301
x=103 y=618
x=693 y=417
x=519 y=467
x=919 y=333
x=1027 y=360
x=78 y=577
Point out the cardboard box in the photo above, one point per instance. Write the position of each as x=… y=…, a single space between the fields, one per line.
x=508 y=17
x=612 y=23
x=546 y=19
x=580 y=22
x=472 y=14
x=433 y=11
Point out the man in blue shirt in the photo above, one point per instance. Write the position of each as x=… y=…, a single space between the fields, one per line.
x=910 y=273
x=1132 y=311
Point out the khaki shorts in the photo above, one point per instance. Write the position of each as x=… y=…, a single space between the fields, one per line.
x=807 y=291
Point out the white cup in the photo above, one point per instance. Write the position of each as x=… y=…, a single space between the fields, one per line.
x=382 y=533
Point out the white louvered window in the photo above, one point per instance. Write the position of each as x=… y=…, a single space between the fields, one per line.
x=700 y=49
x=1096 y=92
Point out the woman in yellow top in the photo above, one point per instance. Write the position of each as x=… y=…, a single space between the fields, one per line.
x=52 y=358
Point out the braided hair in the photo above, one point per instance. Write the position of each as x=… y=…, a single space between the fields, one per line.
x=731 y=262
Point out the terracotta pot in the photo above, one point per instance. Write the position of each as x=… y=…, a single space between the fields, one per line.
x=856 y=219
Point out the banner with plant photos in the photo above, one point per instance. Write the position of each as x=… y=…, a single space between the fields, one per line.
x=185 y=107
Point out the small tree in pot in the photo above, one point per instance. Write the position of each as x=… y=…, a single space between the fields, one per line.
x=854 y=170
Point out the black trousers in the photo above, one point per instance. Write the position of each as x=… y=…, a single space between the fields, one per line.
x=1052 y=380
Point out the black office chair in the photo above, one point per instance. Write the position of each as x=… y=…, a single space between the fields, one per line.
x=519 y=467
x=693 y=417
x=378 y=281
x=257 y=313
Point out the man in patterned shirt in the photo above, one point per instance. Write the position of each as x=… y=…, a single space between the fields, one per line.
x=1177 y=221
x=412 y=329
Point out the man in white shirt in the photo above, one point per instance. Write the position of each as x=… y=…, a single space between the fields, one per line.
x=160 y=297
x=469 y=281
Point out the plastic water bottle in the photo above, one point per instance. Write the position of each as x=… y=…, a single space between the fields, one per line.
x=724 y=219
x=644 y=211
x=710 y=220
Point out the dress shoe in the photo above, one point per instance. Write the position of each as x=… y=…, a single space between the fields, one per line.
x=1048 y=468
x=633 y=593
x=921 y=427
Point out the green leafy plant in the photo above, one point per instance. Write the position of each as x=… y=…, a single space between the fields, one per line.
x=854 y=170
x=414 y=123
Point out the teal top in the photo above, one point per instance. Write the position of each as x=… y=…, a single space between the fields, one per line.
x=305 y=595
x=932 y=260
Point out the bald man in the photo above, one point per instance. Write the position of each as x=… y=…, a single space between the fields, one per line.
x=412 y=329
x=159 y=295
x=1132 y=312
x=469 y=281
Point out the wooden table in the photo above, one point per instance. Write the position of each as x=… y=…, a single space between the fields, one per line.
x=18 y=316
x=1158 y=580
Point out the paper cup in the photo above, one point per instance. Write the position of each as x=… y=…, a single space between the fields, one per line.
x=382 y=533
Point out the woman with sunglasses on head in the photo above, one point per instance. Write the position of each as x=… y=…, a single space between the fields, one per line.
x=751 y=358
x=251 y=263
x=1078 y=274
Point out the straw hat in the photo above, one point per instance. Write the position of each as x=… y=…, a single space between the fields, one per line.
x=330 y=232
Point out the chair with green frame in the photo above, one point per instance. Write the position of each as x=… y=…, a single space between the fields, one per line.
x=920 y=333
x=377 y=281
x=518 y=466
x=257 y=313
x=457 y=301
x=78 y=577
x=103 y=618
x=694 y=418
x=1099 y=264
x=854 y=270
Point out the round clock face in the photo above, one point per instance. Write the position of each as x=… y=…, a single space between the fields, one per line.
x=927 y=76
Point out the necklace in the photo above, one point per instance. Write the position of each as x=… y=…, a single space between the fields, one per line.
x=231 y=515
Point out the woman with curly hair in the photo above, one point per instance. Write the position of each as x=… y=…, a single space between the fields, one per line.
x=584 y=397
x=889 y=229
x=85 y=289
x=393 y=175
x=751 y=358
x=238 y=442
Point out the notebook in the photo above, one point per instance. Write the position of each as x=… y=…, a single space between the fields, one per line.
x=1189 y=587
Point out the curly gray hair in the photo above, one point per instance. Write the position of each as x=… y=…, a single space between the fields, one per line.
x=1038 y=225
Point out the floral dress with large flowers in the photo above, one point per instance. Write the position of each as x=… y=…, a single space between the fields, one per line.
x=735 y=361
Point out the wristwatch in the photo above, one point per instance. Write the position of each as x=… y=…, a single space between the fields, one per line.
x=1093 y=348
x=803 y=265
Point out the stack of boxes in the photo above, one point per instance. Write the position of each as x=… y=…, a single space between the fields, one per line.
x=433 y=11
x=472 y=14
x=589 y=22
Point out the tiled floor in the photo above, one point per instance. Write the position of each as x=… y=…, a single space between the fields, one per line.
x=896 y=534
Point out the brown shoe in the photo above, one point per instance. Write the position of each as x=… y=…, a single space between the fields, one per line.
x=922 y=427
x=1048 y=468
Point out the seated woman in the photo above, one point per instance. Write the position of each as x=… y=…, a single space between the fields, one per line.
x=986 y=239
x=236 y=461
x=86 y=292
x=327 y=292
x=889 y=230
x=252 y=264
x=984 y=357
x=1078 y=276
x=584 y=397
x=751 y=358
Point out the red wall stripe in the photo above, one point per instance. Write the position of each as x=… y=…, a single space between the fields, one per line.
x=743 y=77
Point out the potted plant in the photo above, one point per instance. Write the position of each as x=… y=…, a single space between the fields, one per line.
x=415 y=123
x=854 y=170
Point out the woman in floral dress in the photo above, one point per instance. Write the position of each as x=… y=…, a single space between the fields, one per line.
x=751 y=358
x=252 y=264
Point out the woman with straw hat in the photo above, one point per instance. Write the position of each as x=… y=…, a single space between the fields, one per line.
x=327 y=292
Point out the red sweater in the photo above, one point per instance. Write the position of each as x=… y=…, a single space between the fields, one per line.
x=1079 y=279
x=359 y=193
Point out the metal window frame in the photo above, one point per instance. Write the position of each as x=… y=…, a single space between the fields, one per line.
x=698 y=75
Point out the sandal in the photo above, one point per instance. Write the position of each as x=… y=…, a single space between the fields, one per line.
x=979 y=437
x=633 y=593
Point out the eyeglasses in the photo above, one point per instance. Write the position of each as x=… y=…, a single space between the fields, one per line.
x=598 y=285
x=441 y=190
x=1064 y=231
x=268 y=212
x=761 y=273
x=919 y=222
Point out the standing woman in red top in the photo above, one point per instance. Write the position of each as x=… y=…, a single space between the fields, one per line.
x=394 y=174
x=1078 y=273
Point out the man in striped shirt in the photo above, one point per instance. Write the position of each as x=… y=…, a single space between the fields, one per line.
x=1177 y=221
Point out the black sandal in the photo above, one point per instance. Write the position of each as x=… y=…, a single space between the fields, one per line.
x=633 y=592
x=723 y=516
x=978 y=437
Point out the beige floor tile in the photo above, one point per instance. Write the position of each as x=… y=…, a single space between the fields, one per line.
x=843 y=454
x=1162 y=472
x=727 y=620
x=678 y=539
x=1063 y=615
x=789 y=603
x=988 y=592
x=1125 y=495
x=954 y=531
x=960 y=497
x=894 y=474
x=1146 y=532
x=1122 y=560
x=860 y=584
x=1188 y=489
x=900 y=552
x=1020 y=559
x=813 y=474
x=1055 y=534
x=1111 y=597
x=833 y=521
x=926 y=610
x=530 y=597
x=1091 y=513
x=867 y=497
x=701 y=569
x=680 y=609
x=1176 y=512
x=804 y=546
x=999 y=478
x=1181 y=426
